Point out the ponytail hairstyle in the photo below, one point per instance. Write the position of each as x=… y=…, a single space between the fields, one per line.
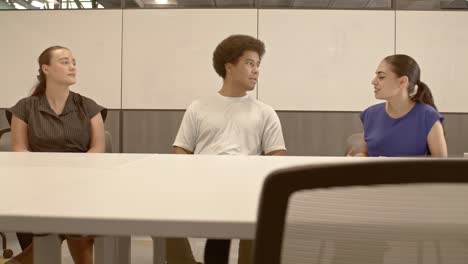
x=40 y=87
x=404 y=65
x=44 y=58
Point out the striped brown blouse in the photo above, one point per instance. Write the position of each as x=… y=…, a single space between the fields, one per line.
x=69 y=131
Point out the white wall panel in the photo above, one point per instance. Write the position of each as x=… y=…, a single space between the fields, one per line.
x=93 y=36
x=322 y=59
x=438 y=41
x=167 y=53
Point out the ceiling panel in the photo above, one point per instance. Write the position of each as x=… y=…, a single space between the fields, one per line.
x=379 y=4
x=312 y=4
x=432 y=4
x=196 y=3
x=338 y=4
x=276 y=3
x=349 y=4
x=235 y=3
x=418 y=4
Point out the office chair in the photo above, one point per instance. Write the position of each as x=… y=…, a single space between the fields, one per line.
x=7 y=253
x=5 y=139
x=363 y=211
x=354 y=142
x=5 y=146
x=108 y=137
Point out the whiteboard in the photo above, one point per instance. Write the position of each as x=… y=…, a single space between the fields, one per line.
x=438 y=41
x=93 y=36
x=167 y=60
x=322 y=60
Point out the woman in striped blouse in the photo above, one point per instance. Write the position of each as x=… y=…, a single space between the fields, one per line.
x=55 y=119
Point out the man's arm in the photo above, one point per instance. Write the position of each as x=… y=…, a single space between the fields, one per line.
x=179 y=150
x=279 y=152
x=186 y=135
x=273 y=140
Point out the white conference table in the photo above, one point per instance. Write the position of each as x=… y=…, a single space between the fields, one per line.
x=134 y=194
x=122 y=195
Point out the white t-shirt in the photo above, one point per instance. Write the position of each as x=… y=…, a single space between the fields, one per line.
x=221 y=125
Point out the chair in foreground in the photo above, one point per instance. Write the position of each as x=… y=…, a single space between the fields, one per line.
x=374 y=211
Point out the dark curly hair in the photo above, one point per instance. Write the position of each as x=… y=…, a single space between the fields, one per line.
x=232 y=48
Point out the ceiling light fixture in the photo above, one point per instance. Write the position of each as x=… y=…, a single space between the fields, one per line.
x=165 y=2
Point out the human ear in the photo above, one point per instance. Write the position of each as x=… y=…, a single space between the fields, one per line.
x=45 y=68
x=228 y=67
x=404 y=81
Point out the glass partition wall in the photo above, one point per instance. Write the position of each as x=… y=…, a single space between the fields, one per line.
x=264 y=4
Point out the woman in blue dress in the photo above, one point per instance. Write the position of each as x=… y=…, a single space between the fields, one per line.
x=407 y=123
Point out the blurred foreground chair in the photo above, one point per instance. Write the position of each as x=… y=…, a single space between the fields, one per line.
x=368 y=211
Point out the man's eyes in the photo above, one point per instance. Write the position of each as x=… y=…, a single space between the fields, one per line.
x=251 y=63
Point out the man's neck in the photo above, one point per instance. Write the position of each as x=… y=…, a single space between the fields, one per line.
x=231 y=90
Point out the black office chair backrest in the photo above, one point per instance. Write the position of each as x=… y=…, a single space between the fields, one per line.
x=108 y=138
x=353 y=212
x=5 y=139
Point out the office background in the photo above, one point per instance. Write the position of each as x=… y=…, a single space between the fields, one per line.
x=147 y=61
